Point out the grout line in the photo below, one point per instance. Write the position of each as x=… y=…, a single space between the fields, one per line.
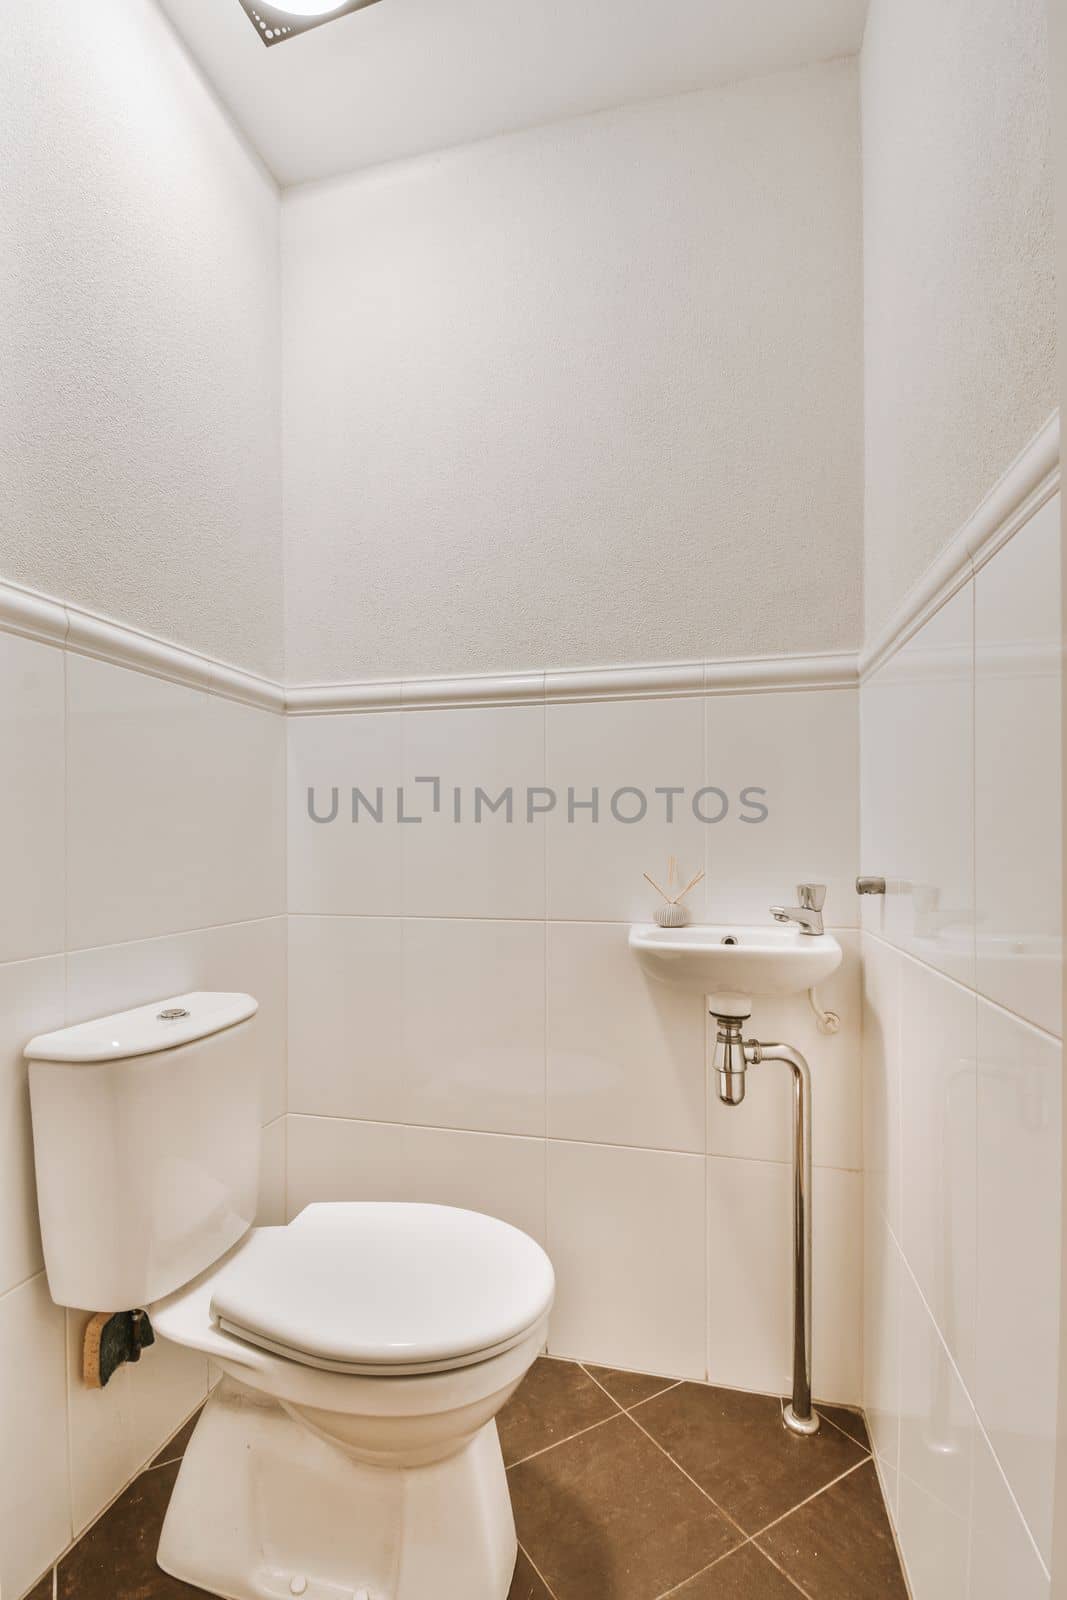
x=844 y=1431
x=958 y=983
x=855 y=1467
x=891 y=1514
x=67 y=1421
x=544 y=1049
x=788 y=1576
x=557 y=1442
x=13 y=1288
x=701 y=1571
x=76 y=1539
x=645 y=1399
x=66 y=819
x=540 y=1138
x=838 y=928
x=746 y=1537
x=537 y=1569
x=976 y=1414
x=173 y=933
x=666 y=1453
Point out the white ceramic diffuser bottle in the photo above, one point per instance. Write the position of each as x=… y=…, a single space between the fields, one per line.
x=672 y=913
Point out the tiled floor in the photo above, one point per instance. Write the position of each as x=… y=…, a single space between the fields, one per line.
x=625 y=1487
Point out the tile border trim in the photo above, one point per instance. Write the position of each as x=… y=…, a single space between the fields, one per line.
x=1031 y=479
x=38 y=616
x=639 y=682
x=1024 y=487
x=50 y=621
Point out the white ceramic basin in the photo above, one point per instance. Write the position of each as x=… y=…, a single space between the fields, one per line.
x=731 y=963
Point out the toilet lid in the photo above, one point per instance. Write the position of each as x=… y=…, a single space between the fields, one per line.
x=385 y=1288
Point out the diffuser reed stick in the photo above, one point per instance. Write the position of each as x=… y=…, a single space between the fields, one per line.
x=672 y=914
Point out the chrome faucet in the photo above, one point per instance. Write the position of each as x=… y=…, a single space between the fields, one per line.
x=808 y=913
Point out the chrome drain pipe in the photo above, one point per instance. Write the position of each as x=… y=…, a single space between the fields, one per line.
x=733 y=1056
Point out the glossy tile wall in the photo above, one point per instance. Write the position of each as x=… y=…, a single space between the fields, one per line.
x=127 y=877
x=960 y=800
x=467 y=1024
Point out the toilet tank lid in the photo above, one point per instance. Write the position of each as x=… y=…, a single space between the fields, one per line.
x=144 y=1030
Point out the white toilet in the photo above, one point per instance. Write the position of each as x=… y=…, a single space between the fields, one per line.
x=350 y=1451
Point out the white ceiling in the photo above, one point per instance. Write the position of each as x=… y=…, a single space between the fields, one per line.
x=406 y=76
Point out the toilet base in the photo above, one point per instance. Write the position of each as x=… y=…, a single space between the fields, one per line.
x=263 y=1509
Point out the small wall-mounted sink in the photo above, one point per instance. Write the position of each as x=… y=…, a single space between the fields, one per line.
x=731 y=963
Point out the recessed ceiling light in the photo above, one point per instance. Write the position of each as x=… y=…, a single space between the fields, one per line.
x=274 y=23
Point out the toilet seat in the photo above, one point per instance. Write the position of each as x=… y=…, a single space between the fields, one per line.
x=384 y=1289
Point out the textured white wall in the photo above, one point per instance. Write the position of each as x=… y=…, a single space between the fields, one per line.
x=139 y=343
x=959 y=281
x=587 y=394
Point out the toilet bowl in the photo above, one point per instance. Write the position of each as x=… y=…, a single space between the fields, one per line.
x=350 y=1450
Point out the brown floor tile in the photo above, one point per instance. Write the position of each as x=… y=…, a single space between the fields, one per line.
x=839 y=1546
x=526 y=1585
x=735 y=1446
x=174 y=1448
x=744 y=1575
x=116 y=1560
x=850 y=1422
x=628 y=1388
x=43 y=1590
x=607 y=1517
x=555 y=1400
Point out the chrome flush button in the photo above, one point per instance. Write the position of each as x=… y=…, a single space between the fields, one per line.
x=171 y=1014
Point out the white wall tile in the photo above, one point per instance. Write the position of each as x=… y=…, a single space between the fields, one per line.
x=750 y=1276
x=1004 y=1559
x=31 y=1002
x=917 y=792
x=882 y=1078
x=888 y=1478
x=878 y=704
x=761 y=1127
x=595 y=868
x=247 y=957
x=169 y=1382
x=473 y=1024
x=802 y=747
x=434 y=866
x=251 y=958
x=245 y=778
x=114 y=1431
x=345 y=866
x=103 y=1448
x=882 y=1273
x=471 y=868
x=35 y=1517
x=425 y=1021
x=626 y=1237
x=134 y=804
x=1017 y=1328
x=625 y=1053
x=936 y=1445
x=174 y=801
x=938 y=1155
x=32 y=713
x=271 y=1211
x=346 y=986
x=1018 y=819
x=332 y=1159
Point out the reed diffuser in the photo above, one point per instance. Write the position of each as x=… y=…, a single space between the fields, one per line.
x=672 y=913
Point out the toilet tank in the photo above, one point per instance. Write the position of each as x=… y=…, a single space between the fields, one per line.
x=146 y=1144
